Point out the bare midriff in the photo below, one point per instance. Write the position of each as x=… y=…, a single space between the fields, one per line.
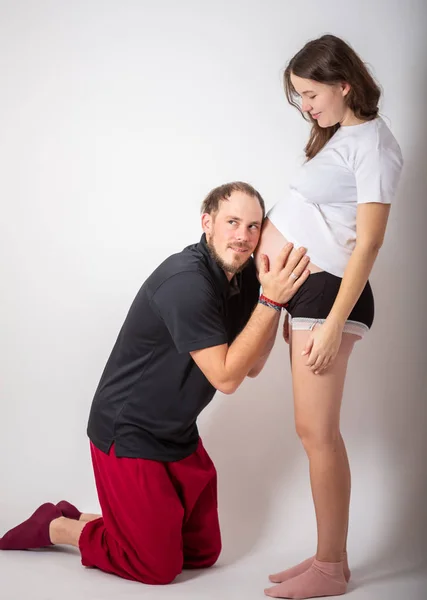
x=272 y=242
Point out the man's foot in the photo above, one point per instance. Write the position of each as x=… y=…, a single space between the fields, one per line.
x=32 y=533
x=69 y=510
x=304 y=566
x=320 y=579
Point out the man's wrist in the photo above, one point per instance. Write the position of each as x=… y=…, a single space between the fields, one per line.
x=266 y=301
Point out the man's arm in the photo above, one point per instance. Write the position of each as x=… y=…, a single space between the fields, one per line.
x=226 y=366
x=260 y=363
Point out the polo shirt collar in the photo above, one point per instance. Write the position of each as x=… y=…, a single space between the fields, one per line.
x=229 y=288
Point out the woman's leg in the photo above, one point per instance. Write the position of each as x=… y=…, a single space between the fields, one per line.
x=317 y=411
x=301 y=567
x=344 y=452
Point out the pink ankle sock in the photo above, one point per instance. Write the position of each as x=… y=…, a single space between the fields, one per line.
x=320 y=579
x=302 y=567
x=32 y=533
x=68 y=510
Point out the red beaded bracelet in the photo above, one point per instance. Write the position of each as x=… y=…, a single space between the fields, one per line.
x=262 y=297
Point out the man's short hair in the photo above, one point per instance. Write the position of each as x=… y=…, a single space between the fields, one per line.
x=211 y=203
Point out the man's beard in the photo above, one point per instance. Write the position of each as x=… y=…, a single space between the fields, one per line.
x=231 y=268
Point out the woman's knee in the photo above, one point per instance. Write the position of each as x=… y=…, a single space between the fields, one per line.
x=317 y=438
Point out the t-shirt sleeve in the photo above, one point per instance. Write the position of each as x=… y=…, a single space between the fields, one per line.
x=189 y=307
x=377 y=169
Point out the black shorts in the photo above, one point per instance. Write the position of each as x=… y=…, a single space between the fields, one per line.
x=313 y=302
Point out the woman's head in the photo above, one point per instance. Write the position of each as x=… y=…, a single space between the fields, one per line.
x=329 y=83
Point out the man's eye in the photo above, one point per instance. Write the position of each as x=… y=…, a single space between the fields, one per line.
x=254 y=226
x=232 y=222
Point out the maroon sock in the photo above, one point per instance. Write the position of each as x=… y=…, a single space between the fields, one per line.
x=68 y=510
x=32 y=533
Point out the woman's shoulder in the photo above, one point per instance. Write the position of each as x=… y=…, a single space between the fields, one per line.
x=376 y=134
x=374 y=139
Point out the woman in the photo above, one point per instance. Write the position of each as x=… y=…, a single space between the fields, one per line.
x=337 y=208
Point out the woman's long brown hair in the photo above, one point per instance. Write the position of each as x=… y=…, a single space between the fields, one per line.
x=330 y=60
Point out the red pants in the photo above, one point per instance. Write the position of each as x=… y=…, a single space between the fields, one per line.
x=157 y=518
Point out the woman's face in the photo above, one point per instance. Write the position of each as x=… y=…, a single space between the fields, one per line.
x=325 y=103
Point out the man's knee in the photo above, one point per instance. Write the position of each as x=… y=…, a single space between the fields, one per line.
x=205 y=560
x=166 y=576
x=161 y=574
x=156 y=568
x=211 y=560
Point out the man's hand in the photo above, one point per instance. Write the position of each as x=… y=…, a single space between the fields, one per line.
x=286 y=328
x=286 y=275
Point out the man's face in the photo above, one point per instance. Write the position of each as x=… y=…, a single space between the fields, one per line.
x=233 y=232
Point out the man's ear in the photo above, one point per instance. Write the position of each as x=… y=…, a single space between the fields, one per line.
x=207 y=222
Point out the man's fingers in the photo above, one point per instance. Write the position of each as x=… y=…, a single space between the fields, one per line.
x=264 y=265
x=282 y=258
x=293 y=264
x=300 y=280
x=300 y=268
x=286 y=328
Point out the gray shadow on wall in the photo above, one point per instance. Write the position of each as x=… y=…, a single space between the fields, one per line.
x=395 y=362
x=252 y=441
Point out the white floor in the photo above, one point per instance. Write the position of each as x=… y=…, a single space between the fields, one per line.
x=56 y=573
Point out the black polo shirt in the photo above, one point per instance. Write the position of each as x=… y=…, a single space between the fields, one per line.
x=151 y=391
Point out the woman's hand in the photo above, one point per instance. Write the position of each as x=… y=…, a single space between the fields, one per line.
x=322 y=346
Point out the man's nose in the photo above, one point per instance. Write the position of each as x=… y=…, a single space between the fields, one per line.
x=242 y=234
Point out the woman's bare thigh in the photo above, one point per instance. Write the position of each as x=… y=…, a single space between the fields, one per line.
x=317 y=398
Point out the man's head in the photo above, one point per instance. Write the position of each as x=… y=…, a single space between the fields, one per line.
x=232 y=215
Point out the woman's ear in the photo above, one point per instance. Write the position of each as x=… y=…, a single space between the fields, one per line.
x=345 y=88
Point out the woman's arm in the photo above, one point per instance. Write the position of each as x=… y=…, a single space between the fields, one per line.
x=323 y=345
x=371 y=225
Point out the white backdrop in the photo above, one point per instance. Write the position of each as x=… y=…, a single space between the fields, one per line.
x=116 y=119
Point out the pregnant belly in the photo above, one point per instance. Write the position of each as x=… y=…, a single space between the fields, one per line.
x=271 y=243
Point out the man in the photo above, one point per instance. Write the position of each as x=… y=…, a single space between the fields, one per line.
x=197 y=325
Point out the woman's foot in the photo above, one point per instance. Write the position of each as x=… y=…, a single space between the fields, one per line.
x=304 y=566
x=320 y=579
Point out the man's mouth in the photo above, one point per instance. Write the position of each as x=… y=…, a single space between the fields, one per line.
x=239 y=249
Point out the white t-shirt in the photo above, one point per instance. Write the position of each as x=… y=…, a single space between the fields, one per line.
x=360 y=164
